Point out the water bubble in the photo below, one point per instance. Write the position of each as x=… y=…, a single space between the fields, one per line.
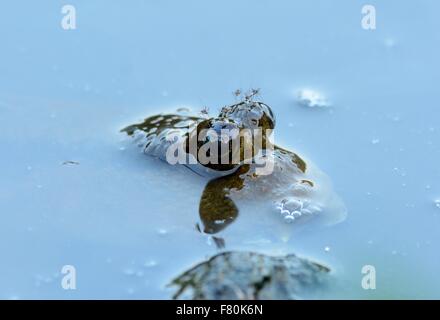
x=437 y=203
x=162 y=231
x=289 y=218
x=311 y=98
x=300 y=188
x=293 y=208
x=327 y=249
x=150 y=263
x=390 y=42
x=375 y=141
x=292 y=205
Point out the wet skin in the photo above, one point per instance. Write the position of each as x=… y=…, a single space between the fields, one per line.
x=217 y=210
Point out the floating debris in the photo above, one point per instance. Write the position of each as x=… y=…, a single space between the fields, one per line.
x=70 y=162
x=311 y=99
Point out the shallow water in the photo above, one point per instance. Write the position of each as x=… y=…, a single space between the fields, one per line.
x=127 y=221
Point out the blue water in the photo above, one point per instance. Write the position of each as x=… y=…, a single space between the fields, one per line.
x=126 y=222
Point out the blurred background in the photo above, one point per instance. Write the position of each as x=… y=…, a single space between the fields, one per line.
x=126 y=222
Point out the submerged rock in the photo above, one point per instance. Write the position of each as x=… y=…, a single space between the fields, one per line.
x=248 y=275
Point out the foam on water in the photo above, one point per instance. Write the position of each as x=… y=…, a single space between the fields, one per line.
x=296 y=196
x=311 y=98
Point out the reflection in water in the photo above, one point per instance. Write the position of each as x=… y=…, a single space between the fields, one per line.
x=292 y=186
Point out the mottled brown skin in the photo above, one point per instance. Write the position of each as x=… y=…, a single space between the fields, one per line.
x=300 y=163
x=205 y=125
x=217 y=210
x=215 y=204
x=160 y=121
